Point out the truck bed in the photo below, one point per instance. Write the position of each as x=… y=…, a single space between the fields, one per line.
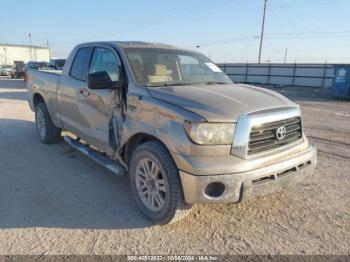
x=44 y=83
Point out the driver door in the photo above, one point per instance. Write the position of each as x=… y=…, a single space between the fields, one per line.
x=97 y=105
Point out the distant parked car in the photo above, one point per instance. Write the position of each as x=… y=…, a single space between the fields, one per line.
x=33 y=65
x=17 y=71
x=5 y=70
x=57 y=64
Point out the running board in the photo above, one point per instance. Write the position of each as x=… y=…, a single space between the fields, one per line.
x=95 y=155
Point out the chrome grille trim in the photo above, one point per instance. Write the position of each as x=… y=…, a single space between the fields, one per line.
x=263 y=138
x=246 y=122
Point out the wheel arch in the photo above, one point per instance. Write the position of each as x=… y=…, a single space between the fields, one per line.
x=37 y=98
x=134 y=141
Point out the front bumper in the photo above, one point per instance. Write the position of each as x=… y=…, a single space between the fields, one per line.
x=242 y=186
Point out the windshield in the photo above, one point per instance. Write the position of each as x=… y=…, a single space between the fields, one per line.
x=162 y=67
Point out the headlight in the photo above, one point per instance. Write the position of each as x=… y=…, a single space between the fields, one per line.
x=210 y=133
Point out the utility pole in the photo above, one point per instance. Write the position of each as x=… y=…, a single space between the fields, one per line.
x=262 y=31
x=48 y=46
x=285 y=55
x=5 y=50
x=30 y=46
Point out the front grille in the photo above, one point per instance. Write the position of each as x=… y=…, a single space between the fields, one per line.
x=263 y=137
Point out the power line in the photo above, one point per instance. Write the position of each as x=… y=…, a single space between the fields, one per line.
x=253 y=29
x=295 y=31
x=226 y=41
x=276 y=36
x=311 y=33
x=313 y=1
x=170 y=15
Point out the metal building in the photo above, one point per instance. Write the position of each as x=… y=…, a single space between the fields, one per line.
x=10 y=53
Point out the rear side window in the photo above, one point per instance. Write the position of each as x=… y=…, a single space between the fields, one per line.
x=80 y=63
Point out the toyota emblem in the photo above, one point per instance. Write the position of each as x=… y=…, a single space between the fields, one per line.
x=281 y=133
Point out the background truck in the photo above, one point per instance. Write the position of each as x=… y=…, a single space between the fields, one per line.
x=173 y=122
x=17 y=70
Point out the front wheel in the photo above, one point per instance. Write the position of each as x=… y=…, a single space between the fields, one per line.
x=47 y=131
x=156 y=184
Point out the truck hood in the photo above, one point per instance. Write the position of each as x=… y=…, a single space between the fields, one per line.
x=220 y=103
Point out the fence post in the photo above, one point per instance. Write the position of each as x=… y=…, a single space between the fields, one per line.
x=268 y=74
x=324 y=74
x=294 y=71
x=246 y=73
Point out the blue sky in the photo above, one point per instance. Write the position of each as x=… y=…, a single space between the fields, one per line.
x=225 y=30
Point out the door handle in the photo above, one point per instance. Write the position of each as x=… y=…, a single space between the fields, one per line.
x=84 y=92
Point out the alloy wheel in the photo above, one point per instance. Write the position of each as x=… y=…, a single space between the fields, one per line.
x=150 y=184
x=40 y=122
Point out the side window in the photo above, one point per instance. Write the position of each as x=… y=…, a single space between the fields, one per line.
x=104 y=60
x=80 y=63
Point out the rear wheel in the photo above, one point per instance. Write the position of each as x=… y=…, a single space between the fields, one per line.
x=47 y=131
x=156 y=184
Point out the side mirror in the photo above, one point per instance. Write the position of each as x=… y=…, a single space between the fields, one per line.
x=101 y=80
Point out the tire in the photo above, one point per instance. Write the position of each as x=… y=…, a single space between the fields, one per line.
x=167 y=185
x=47 y=131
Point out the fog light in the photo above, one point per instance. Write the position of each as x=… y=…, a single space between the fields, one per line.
x=214 y=190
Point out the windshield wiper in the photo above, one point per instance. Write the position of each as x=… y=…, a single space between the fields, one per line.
x=215 y=83
x=168 y=84
x=184 y=84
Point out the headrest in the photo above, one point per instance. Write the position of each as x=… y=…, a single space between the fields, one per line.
x=160 y=70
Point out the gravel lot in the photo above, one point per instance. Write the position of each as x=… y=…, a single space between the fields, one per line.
x=53 y=200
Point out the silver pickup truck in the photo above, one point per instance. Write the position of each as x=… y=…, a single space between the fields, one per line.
x=173 y=122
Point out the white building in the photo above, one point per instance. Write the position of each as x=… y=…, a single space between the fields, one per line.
x=25 y=53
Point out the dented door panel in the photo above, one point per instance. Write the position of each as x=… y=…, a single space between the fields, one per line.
x=96 y=110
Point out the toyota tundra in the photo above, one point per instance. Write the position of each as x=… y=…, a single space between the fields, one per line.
x=174 y=123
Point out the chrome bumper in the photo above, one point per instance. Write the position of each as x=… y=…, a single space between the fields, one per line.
x=242 y=186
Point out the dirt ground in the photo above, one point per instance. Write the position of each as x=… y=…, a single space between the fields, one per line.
x=53 y=200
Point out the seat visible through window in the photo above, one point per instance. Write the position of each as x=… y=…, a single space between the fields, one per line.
x=161 y=74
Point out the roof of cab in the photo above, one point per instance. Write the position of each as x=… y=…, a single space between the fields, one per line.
x=137 y=44
x=133 y=44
